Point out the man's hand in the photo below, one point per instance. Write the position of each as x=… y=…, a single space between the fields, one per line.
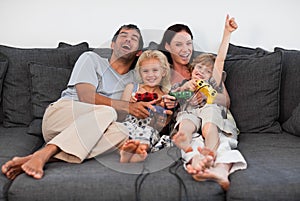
x=140 y=109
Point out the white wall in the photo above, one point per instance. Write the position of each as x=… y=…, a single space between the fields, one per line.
x=44 y=23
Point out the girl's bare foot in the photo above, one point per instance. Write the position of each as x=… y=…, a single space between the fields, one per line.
x=181 y=140
x=140 y=154
x=12 y=168
x=219 y=174
x=127 y=150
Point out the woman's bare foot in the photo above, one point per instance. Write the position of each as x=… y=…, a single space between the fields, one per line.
x=127 y=150
x=201 y=161
x=140 y=154
x=181 y=140
x=12 y=168
x=219 y=174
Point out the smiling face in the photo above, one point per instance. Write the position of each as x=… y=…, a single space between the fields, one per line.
x=151 y=72
x=126 y=44
x=202 y=71
x=181 y=48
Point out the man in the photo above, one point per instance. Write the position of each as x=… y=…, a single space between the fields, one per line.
x=82 y=123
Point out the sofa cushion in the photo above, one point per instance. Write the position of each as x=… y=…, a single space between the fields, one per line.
x=47 y=83
x=290 y=84
x=96 y=180
x=16 y=92
x=273 y=168
x=292 y=125
x=3 y=69
x=253 y=83
x=242 y=50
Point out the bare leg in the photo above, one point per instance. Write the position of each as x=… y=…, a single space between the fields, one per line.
x=35 y=165
x=182 y=139
x=12 y=168
x=211 y=136
x=219 y=173
x=140 y=154
x=127 y=150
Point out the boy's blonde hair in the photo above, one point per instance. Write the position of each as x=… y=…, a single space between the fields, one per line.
x=206 y=59
x=156 y=54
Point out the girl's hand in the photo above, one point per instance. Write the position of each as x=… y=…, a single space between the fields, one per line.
x=132 y=99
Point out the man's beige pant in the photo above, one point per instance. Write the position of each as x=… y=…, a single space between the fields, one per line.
x=82 y=130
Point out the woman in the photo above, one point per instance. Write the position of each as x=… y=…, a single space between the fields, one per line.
x=177 y=45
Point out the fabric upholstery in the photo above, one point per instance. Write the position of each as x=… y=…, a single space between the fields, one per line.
x=253 y=83
x=242 y=50
x=3 y=69
x=292 y=125
x=16 y=99
x=273 y=170
x=99 y=181
x=290 y=84
x=47 y=83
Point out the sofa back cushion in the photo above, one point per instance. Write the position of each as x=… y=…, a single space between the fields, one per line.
x=47 y=83
x=16 y=87
x=3 y=69
x=253 y=83
x=290 y=83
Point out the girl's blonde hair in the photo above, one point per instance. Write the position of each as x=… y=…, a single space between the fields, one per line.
x=156 y=54
x=204 y=59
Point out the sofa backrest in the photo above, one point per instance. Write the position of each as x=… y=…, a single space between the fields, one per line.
x=284 y=109
x=16 y=80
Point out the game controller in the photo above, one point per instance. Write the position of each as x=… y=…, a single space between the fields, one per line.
x=146 y=97
x=207 y=90
x=182 y=95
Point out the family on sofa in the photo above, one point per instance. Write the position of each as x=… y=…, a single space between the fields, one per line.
x=46 y=96
x=88 y=103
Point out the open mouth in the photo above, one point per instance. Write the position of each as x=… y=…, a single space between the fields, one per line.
x=126 y=47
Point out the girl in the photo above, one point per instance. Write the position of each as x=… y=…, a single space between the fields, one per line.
x=153 y=75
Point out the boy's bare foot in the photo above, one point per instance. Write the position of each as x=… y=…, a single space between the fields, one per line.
x=140 y=154
x=128 y=149
x=219 y=174
x=12 y=168
x=181 y=140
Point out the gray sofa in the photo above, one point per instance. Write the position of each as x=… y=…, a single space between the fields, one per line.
x=265 y=100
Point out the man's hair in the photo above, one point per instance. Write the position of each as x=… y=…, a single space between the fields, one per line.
x=130 y=26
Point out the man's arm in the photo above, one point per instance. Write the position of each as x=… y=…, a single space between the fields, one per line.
x=230 y=26
x=87 y=94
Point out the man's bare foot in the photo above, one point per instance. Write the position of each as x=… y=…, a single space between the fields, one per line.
x=35 y=165
x=140 y=154
x=127 y=150
x=181 y=140
x=12 y=168
x=219 y=174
